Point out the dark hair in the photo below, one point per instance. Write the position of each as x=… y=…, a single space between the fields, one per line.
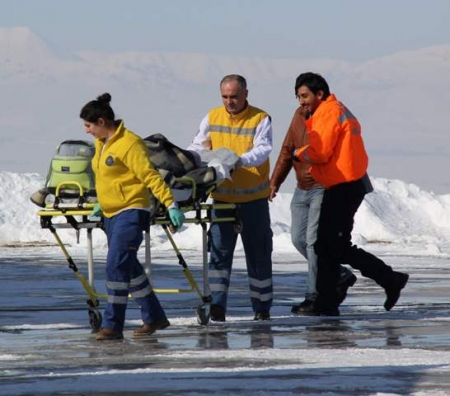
x=235 y=77
x=315 y=83
x=99 y=108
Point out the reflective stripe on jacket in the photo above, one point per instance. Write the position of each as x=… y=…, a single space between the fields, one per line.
x=336 y=149
x=124 y=174
x=236 y=133
x=296 y=136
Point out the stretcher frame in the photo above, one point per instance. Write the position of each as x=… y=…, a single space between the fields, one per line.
x=77 y=216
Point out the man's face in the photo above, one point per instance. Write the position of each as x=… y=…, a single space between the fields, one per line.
x=234 y=98
x=309 y=101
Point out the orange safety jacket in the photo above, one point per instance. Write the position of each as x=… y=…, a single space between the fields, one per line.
x=336 y=150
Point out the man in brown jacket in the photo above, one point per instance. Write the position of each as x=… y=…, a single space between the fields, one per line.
x=305 y=210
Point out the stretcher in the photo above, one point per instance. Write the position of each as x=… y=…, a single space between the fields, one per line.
x=76 y=214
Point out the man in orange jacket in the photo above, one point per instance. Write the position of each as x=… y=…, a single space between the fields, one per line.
x=339 y=162
x=305 y=211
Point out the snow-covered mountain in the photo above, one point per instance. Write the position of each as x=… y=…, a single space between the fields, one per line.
x=401 y=100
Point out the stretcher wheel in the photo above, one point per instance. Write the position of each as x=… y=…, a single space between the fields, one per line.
x=203 y=314
x=95 y=319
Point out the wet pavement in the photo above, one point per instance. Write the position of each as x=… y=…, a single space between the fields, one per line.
x=47 y=346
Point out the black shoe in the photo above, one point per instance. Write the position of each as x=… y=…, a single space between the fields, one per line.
x=343 y=285
x=397 y=283
x=303 y=308
x=321 y=309
x=217 y=313
x=329 y=312
x=323 y=312
x=262 y=315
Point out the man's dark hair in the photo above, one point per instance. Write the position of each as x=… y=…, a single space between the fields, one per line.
x=235 y=77
x=314 y=82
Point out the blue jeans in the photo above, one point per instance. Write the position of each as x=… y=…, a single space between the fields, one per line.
x=305 y=212
x=256 y=237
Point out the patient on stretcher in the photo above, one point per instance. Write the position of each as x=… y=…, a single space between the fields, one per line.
x=190 y=176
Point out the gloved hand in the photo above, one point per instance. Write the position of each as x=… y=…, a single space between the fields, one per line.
x=176 y=217
x=97 y=211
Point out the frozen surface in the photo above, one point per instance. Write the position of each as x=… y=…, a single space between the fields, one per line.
x=47 y=347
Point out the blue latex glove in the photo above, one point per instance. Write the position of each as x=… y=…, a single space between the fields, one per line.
x=176 y=217
x=97 y=211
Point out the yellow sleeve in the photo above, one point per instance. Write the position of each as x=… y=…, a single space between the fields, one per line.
x=138 y=161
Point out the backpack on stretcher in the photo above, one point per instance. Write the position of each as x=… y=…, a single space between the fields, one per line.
x=70 y=172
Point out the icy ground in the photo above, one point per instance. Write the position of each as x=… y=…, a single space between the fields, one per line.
x=46 y=345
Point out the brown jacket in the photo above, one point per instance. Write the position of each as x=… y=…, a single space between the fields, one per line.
x=296 y=137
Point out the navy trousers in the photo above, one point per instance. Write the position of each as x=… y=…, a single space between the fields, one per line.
x=124 y=273
x=256 y=235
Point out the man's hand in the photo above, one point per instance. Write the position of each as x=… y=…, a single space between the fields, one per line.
x=304 y=112
x=273 y=193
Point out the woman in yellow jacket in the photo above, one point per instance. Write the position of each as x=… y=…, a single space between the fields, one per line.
x=338 y=160
x=124 y=179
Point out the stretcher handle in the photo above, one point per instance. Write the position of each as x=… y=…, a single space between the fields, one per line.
x=68 y=183
x=190 y=180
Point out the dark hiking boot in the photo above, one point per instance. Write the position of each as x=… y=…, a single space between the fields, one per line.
x=329 y=312
x=323 y=312
x=320 y=309
x=149 y=328
x=396 y=284
x=108 y=335
x=262 y=315
x=217 y=313
x=303 y=308
x=343 y=285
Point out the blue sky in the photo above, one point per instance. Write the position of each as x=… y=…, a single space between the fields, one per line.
x=339 y=29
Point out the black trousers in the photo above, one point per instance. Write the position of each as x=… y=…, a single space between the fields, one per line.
x=334 y=246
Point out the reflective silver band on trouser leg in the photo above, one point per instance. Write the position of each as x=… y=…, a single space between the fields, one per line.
x=261 y=289
x=219 y=280
x=117 y=289
x=140 y=286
